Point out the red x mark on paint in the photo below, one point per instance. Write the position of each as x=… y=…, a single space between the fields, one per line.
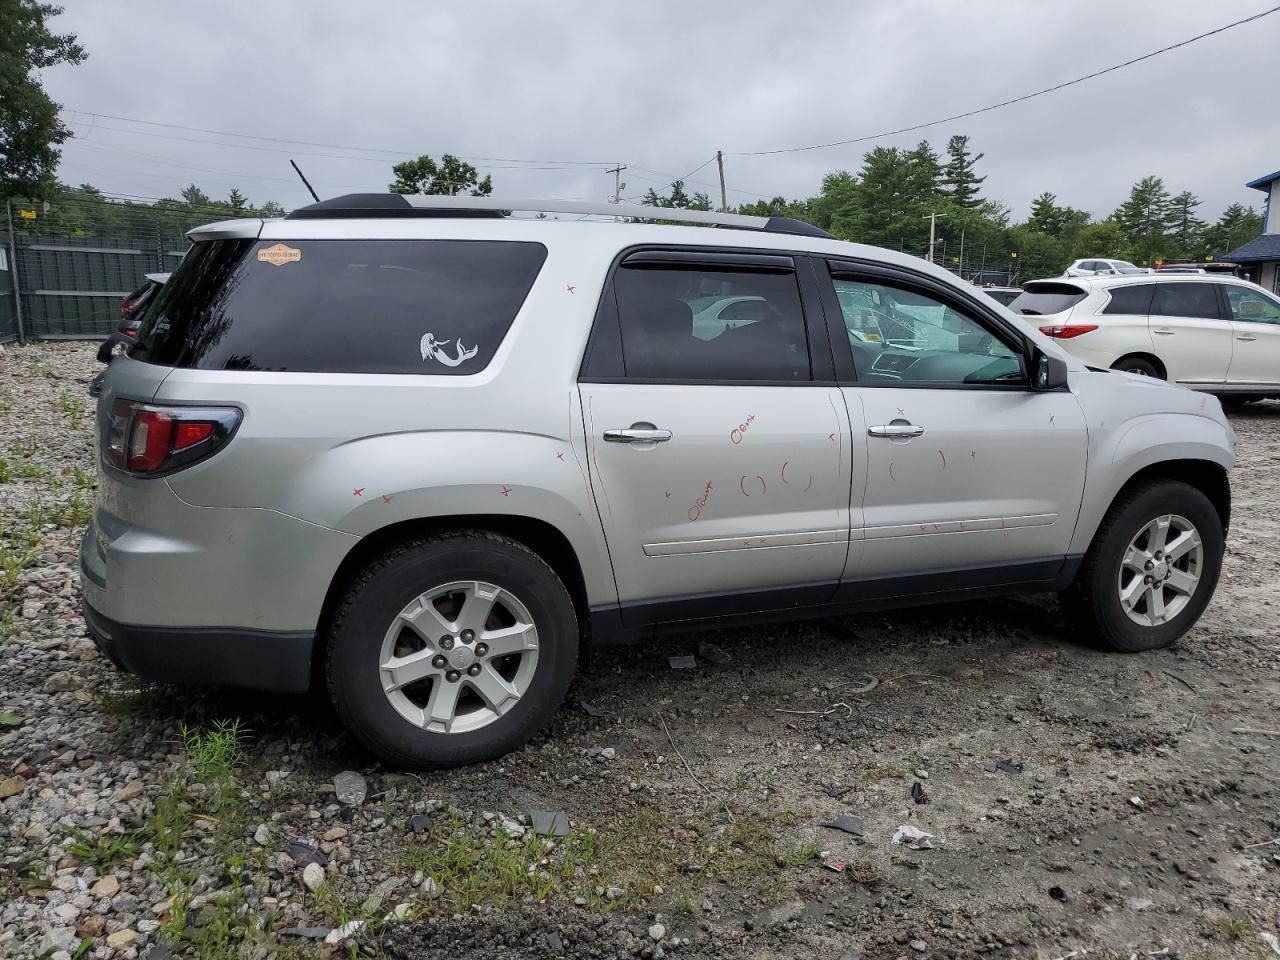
x=559 y=456
x=506 y=491
x=668 y=493
x=901 y=413
x=358 y=492
x=1051 y=419
x=386 y=499
x=831 y=437
x=570 y=288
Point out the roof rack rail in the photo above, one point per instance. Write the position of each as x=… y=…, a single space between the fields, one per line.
x=374 y=205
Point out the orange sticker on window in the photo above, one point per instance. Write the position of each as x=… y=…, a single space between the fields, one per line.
x=278 y=254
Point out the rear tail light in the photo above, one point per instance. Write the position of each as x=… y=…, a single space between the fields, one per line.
x=149 y=440
x=1065 y=331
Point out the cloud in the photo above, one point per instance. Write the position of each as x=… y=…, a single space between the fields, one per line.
x=661 y=86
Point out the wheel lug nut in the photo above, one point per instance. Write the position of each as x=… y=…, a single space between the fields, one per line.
x=1149 y=564
x=438 y=661
x=453 y=676
x=446 y=643
x=468 y=636
x=474 y=670
x=1146 y=579
x=481 y=649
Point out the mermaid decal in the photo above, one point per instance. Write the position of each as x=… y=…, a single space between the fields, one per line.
x=433 y=349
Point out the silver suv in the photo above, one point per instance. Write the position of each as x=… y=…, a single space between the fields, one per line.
x=423 y=451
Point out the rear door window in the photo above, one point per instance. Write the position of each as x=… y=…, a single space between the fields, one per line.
x=1195 y=300
x=340 y=306
x=1043 y=299
x=693 y=322
x=1134 y=300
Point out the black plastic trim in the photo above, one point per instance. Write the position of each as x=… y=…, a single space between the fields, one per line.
x=674 y=259
x=377 y=206
x=638 y=620
x=223 y=656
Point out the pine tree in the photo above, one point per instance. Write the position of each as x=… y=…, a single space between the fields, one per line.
x=1188 y=230
x=1146 y=218
x=958 y=176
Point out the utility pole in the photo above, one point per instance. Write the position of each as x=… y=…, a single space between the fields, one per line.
x=724 y=204
x=933 y=223
x=13 y=266
x=618 y=185
x=961 y=264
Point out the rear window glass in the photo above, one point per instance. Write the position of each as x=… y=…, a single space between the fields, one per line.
x=1046 y=298
x=1133 y=300
x=350 y=306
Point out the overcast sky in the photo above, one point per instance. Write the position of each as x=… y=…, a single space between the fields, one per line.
x=661 y=87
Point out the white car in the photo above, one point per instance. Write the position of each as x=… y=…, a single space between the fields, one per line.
x=1212 y=333
x=1098 y=267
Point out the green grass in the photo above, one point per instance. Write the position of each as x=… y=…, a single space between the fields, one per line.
x=1223 y=927
x=72 y=408
x=102 y=851
x=636 y=854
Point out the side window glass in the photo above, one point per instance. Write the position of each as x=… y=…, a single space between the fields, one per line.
x=1251 y=306
x=1134 y=300
x=902 y=336
x=711 y=323
x=1195 y=300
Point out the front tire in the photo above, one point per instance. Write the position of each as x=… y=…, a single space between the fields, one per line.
x=451 y=650
x=1151 y=570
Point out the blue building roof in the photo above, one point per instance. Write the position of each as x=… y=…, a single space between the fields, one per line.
x=1264 y=248
x=1263 y=183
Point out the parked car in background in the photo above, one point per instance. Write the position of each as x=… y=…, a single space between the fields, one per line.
x=1004 y=295
x=421 y=457
x=1104 y=268
x=132 y=308
x=1210 y=332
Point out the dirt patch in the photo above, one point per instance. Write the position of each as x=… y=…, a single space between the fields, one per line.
x=1076 y=799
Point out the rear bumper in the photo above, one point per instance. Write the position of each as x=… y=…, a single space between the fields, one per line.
x=254 y=659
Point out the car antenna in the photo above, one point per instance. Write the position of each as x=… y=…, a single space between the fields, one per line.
x=305 y=182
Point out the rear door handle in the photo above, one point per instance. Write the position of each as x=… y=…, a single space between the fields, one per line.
x=1166 y=332
x=636 y=434
x=1245 y=337
x=892 y=430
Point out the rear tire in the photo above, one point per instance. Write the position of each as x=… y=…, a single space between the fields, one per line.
x=407 y=615
x=1139 y=366
x=1110 y=597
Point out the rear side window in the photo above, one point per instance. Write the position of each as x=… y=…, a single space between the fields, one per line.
x=1043 y=299
x=1131 y=300
x=340 y=306
x=1198 y=300
x=711 y=323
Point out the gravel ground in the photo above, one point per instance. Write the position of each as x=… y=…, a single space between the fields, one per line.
x=1076 y=800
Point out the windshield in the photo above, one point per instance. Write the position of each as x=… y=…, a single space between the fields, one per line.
x=1124 y=266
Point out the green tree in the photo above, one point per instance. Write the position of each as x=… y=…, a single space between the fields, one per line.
x=677 y=199
x=1146 y=219
x=1103 y=239
x=1049 y=218
x=1188 y=229
x=193 y=196
x=449 y=177
x=924 y=174
x=1237 y=225
x=236 y=200
x=958 y=176
x=271 y=209
x=30 y=130
x=1039 y=254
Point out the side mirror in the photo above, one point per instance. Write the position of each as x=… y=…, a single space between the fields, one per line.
x=1050 y=372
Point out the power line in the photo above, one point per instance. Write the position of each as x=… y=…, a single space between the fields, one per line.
x=1006 y=103
x=310 y=143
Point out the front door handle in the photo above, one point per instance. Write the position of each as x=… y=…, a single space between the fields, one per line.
x=1165 y=332
x=1245 y=337
x=638 y=433
x=895 y=430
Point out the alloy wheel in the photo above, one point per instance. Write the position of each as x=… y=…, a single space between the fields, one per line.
x=1160 y=570
x=458 y=656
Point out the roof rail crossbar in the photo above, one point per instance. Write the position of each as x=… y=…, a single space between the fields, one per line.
x=365 y=205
